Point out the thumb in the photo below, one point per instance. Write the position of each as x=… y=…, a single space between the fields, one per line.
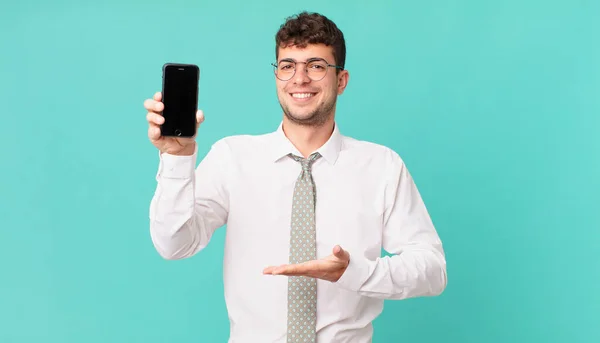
x=340 y=253
x=199 y=117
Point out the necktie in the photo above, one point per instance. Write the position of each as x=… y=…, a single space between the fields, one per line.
x=302 y=291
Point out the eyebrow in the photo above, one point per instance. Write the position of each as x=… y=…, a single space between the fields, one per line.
x=308 y=60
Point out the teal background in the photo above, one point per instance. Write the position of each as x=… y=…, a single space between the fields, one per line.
x=494 y=106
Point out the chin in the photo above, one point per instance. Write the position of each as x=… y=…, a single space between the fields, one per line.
x=306 y=119
x=300 y=114
x=307 y=112
x=300 y=120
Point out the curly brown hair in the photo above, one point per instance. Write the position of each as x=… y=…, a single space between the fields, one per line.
x=311 y=28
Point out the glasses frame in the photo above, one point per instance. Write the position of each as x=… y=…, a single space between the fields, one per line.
x=329 y=65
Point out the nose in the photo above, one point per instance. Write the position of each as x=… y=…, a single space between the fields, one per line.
x=301 y=74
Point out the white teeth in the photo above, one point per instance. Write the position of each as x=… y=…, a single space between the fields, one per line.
x=302 y=95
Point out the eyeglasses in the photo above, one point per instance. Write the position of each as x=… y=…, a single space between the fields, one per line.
x=316 y=69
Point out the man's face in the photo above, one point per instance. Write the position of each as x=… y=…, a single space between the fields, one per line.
x=303 y=100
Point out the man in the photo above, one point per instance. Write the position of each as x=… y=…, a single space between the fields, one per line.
x=307 y=209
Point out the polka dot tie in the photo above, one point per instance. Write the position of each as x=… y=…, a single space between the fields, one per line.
x=302 y=291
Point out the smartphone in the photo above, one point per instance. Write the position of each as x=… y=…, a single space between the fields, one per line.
x=180 y=99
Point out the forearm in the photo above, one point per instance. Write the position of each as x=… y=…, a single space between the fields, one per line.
x=417 y=265
x=186 y=208
x=176 y=233
x=419 y=270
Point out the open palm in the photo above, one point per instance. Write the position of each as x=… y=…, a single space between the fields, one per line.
x=329 y=268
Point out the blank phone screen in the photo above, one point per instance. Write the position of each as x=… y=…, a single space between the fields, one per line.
x=180 y=99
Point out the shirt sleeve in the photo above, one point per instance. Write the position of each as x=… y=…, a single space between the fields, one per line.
x=417 y=265
x=189 y=204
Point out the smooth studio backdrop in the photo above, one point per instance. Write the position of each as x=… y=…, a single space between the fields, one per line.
x=494 y=107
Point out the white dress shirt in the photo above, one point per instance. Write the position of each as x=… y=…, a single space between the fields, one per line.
x=366 y=200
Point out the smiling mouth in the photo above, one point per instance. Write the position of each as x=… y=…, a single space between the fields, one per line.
x=302 y=95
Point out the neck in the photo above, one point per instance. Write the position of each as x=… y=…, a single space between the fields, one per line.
x=305 y=138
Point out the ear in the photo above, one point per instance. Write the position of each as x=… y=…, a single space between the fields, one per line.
x=342 y=79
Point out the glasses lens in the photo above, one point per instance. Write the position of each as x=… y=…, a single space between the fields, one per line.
x=285 y=70
x=316 y=70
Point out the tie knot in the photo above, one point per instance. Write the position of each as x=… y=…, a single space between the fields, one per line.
x=306 y=162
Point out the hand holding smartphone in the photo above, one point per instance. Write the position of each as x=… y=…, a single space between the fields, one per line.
x=173 y=117
x=180 y=99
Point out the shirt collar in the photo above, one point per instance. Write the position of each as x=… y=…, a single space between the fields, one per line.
x=281 y=145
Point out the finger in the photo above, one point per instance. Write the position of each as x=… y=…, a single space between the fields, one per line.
x=155 y=118
x=268 y=270
x=340 y=253
x=286 y=271
x=154 y=106
x=158 y=96
x=272 y=269
x=199 y=117
x=295 y=269
x=149 y=104
x=154 y=132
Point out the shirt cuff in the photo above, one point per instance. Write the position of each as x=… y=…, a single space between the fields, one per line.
x=176 y=166
x=355 y=274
